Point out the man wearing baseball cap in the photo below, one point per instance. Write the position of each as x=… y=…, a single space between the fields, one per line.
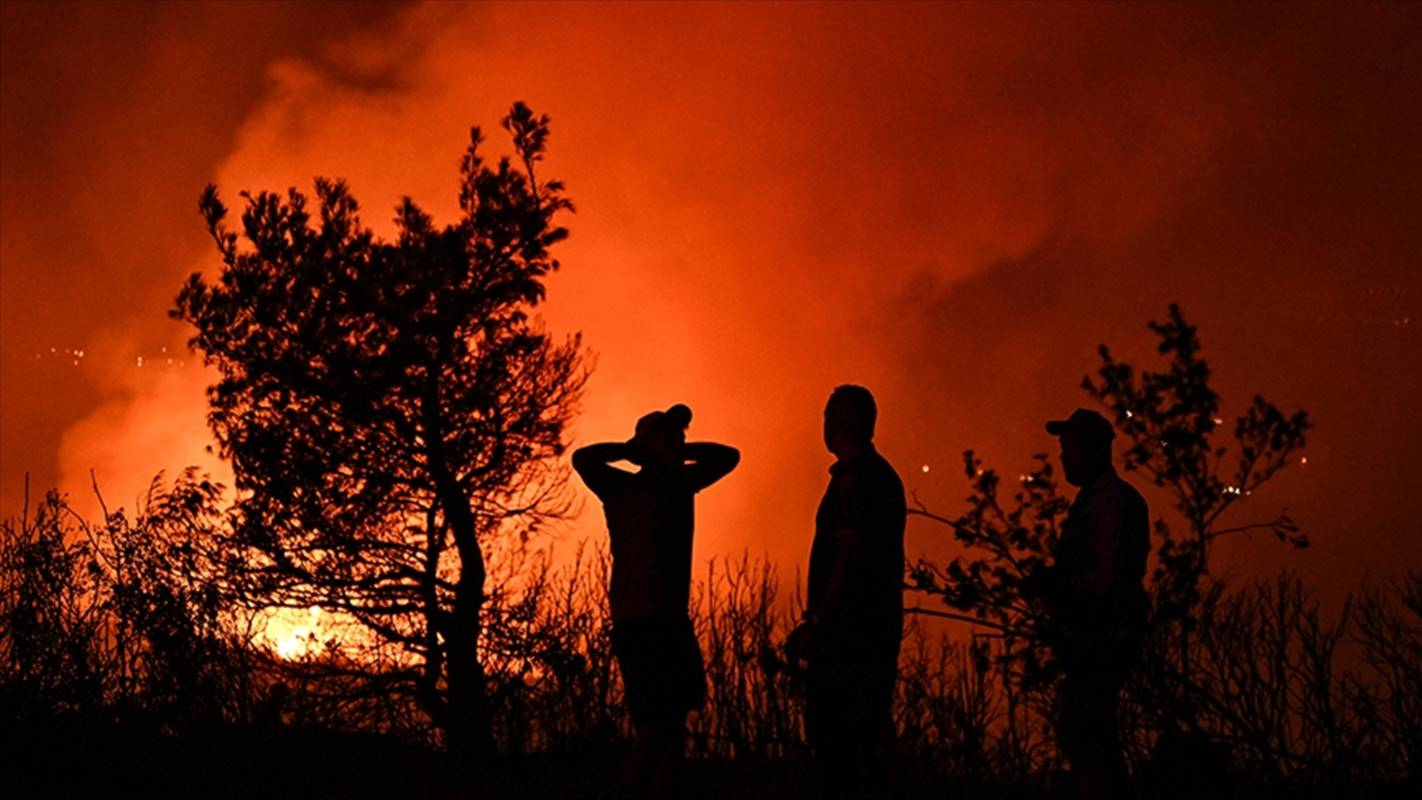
x=650 y=520
x=1095 y=595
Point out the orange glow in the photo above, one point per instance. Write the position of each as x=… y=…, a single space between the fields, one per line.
x=949 y=204
x=293 y=633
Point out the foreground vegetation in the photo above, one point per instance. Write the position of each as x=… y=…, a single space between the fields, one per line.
x=114 y=644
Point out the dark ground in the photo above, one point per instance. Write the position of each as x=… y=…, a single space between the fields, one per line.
x=71 y=759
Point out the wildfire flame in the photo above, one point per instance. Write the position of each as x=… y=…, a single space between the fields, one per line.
x=293 y=633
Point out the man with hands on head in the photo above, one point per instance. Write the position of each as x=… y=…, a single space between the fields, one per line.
x=650 y=520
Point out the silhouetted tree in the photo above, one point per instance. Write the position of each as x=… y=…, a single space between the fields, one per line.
x=390 y=407
x=1008 y=538
x=1169 y=420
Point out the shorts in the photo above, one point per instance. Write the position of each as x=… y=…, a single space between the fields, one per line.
x=663 y=677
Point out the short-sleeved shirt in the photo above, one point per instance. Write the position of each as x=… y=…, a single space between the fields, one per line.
x=1106 y=537
x=865 y=496
x=650 y=519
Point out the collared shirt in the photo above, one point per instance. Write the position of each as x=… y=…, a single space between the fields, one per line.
x=1106 y=538
x=864 y=500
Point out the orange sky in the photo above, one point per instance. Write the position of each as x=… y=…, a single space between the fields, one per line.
x=952 y=205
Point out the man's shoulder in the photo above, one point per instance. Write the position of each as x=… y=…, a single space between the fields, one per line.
x=1122 y=491
x=1124 y=485
x=889 y=475
x=871 y=473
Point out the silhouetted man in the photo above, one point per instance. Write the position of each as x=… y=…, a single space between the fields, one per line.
x=1097 y=602
x=849 y=642
x=650 y=521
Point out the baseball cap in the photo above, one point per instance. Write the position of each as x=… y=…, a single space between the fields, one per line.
x=678 y=417
x=1084 y=422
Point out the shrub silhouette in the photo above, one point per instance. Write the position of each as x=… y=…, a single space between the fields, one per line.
x=1292 y=696
x=119 y=617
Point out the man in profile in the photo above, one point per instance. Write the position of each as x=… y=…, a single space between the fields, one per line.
x=848 y=644
x=650 y=521
x=1095 y=595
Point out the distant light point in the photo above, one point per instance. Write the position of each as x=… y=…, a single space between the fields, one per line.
x=925 y=468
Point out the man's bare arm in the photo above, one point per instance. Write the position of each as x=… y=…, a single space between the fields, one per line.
x=594 y=464
x=710 y=462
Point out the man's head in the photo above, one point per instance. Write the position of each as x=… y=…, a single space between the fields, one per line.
x=1086 y=445
x=849 y=419
x=660 y=436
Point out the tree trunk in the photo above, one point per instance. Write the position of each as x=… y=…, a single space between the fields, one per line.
x=469 y=727
x=470 y=731
x=436 y=624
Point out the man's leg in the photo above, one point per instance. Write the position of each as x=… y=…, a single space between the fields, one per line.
x=848 y=714
x=634 y=660
x=1088 y=735
x=877 y=728
x=660 y=756
x=663 y=678
x=825 y=729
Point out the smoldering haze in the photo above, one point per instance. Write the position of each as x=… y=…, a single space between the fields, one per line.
x=950 y=205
